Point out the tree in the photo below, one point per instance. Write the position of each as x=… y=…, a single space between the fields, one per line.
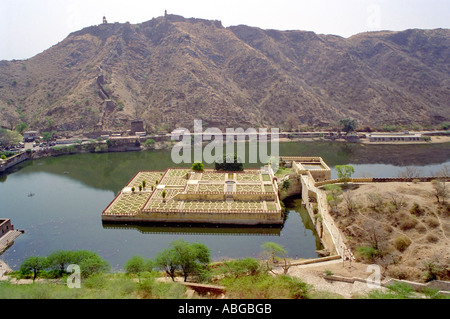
x=349 y=202
x=47 y=136
x=291 y=123
x=440 y=190
x=137 y=265
x=197 y=166
x=149 y=143
x=230 y=163
x=90 y=262
x=10 y=138
x=273 y=250
x=60 y=259
x=344 y=172
x=34 y=264
x=21 y=127
x=191 y=257
x=243 y=267
x=167 y=260
x=410 y=172
x=333 y=196
x=144 y=183
x=163 y=194
x=348 y=125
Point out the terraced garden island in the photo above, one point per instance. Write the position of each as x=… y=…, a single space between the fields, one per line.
x=181 y=195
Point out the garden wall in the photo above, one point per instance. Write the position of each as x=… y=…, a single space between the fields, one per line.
x=198 y=217
x=14 y=160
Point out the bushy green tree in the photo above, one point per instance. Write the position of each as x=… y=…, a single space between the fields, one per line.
x=61 y=259
x=348 y=125
x=34 y=264
x=21 y=127
x=167 y=261
x=243 y=267
x=137 y=265
x=229 y=163
x=344 y=172
x=197 y=166
x=10 y=138
x=189 y=258
x=90 y=262
x=47 y=136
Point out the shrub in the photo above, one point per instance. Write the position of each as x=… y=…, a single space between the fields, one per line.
x=149 y=142
x=367 y=252
x=432 y=222
x=197 y=167
x=285 y=185
x=416 y=210
x=243 y=267
x=376 y=201
x=328 y=272
x=399 y=272
x=229 y=163
x=90 y=263
x=402 y=242
x=344 y=172
x=434 y=271
x=264 y=286
x=397 y=290
x=407 y=222
x=150 y=288
x=137 y=265
x=431 y=238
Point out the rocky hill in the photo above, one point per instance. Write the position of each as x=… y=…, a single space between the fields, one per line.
x=171 y=70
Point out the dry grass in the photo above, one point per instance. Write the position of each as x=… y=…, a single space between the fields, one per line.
x=400 y=226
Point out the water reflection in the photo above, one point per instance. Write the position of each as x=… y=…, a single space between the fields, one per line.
x=196 y=229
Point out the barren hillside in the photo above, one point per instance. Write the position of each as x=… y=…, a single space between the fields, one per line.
x=170 y=70
x=399 y=226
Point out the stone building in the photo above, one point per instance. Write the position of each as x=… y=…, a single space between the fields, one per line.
x=5 y=226
x=395 y=137
x=137 y=126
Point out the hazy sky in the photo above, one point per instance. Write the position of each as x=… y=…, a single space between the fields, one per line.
x=28 y=27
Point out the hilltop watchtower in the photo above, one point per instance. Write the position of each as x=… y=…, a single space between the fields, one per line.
x=104 y=20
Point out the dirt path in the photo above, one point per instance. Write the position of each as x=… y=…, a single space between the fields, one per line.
x=313 y=274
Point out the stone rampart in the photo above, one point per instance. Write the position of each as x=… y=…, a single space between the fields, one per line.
x=14 y=160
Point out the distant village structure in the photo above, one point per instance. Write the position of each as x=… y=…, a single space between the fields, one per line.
x=30 y=136
x=395 y=137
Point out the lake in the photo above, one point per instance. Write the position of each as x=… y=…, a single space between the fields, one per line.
x=70 y=192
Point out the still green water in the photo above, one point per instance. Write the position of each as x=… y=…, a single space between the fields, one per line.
x=70 y=192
